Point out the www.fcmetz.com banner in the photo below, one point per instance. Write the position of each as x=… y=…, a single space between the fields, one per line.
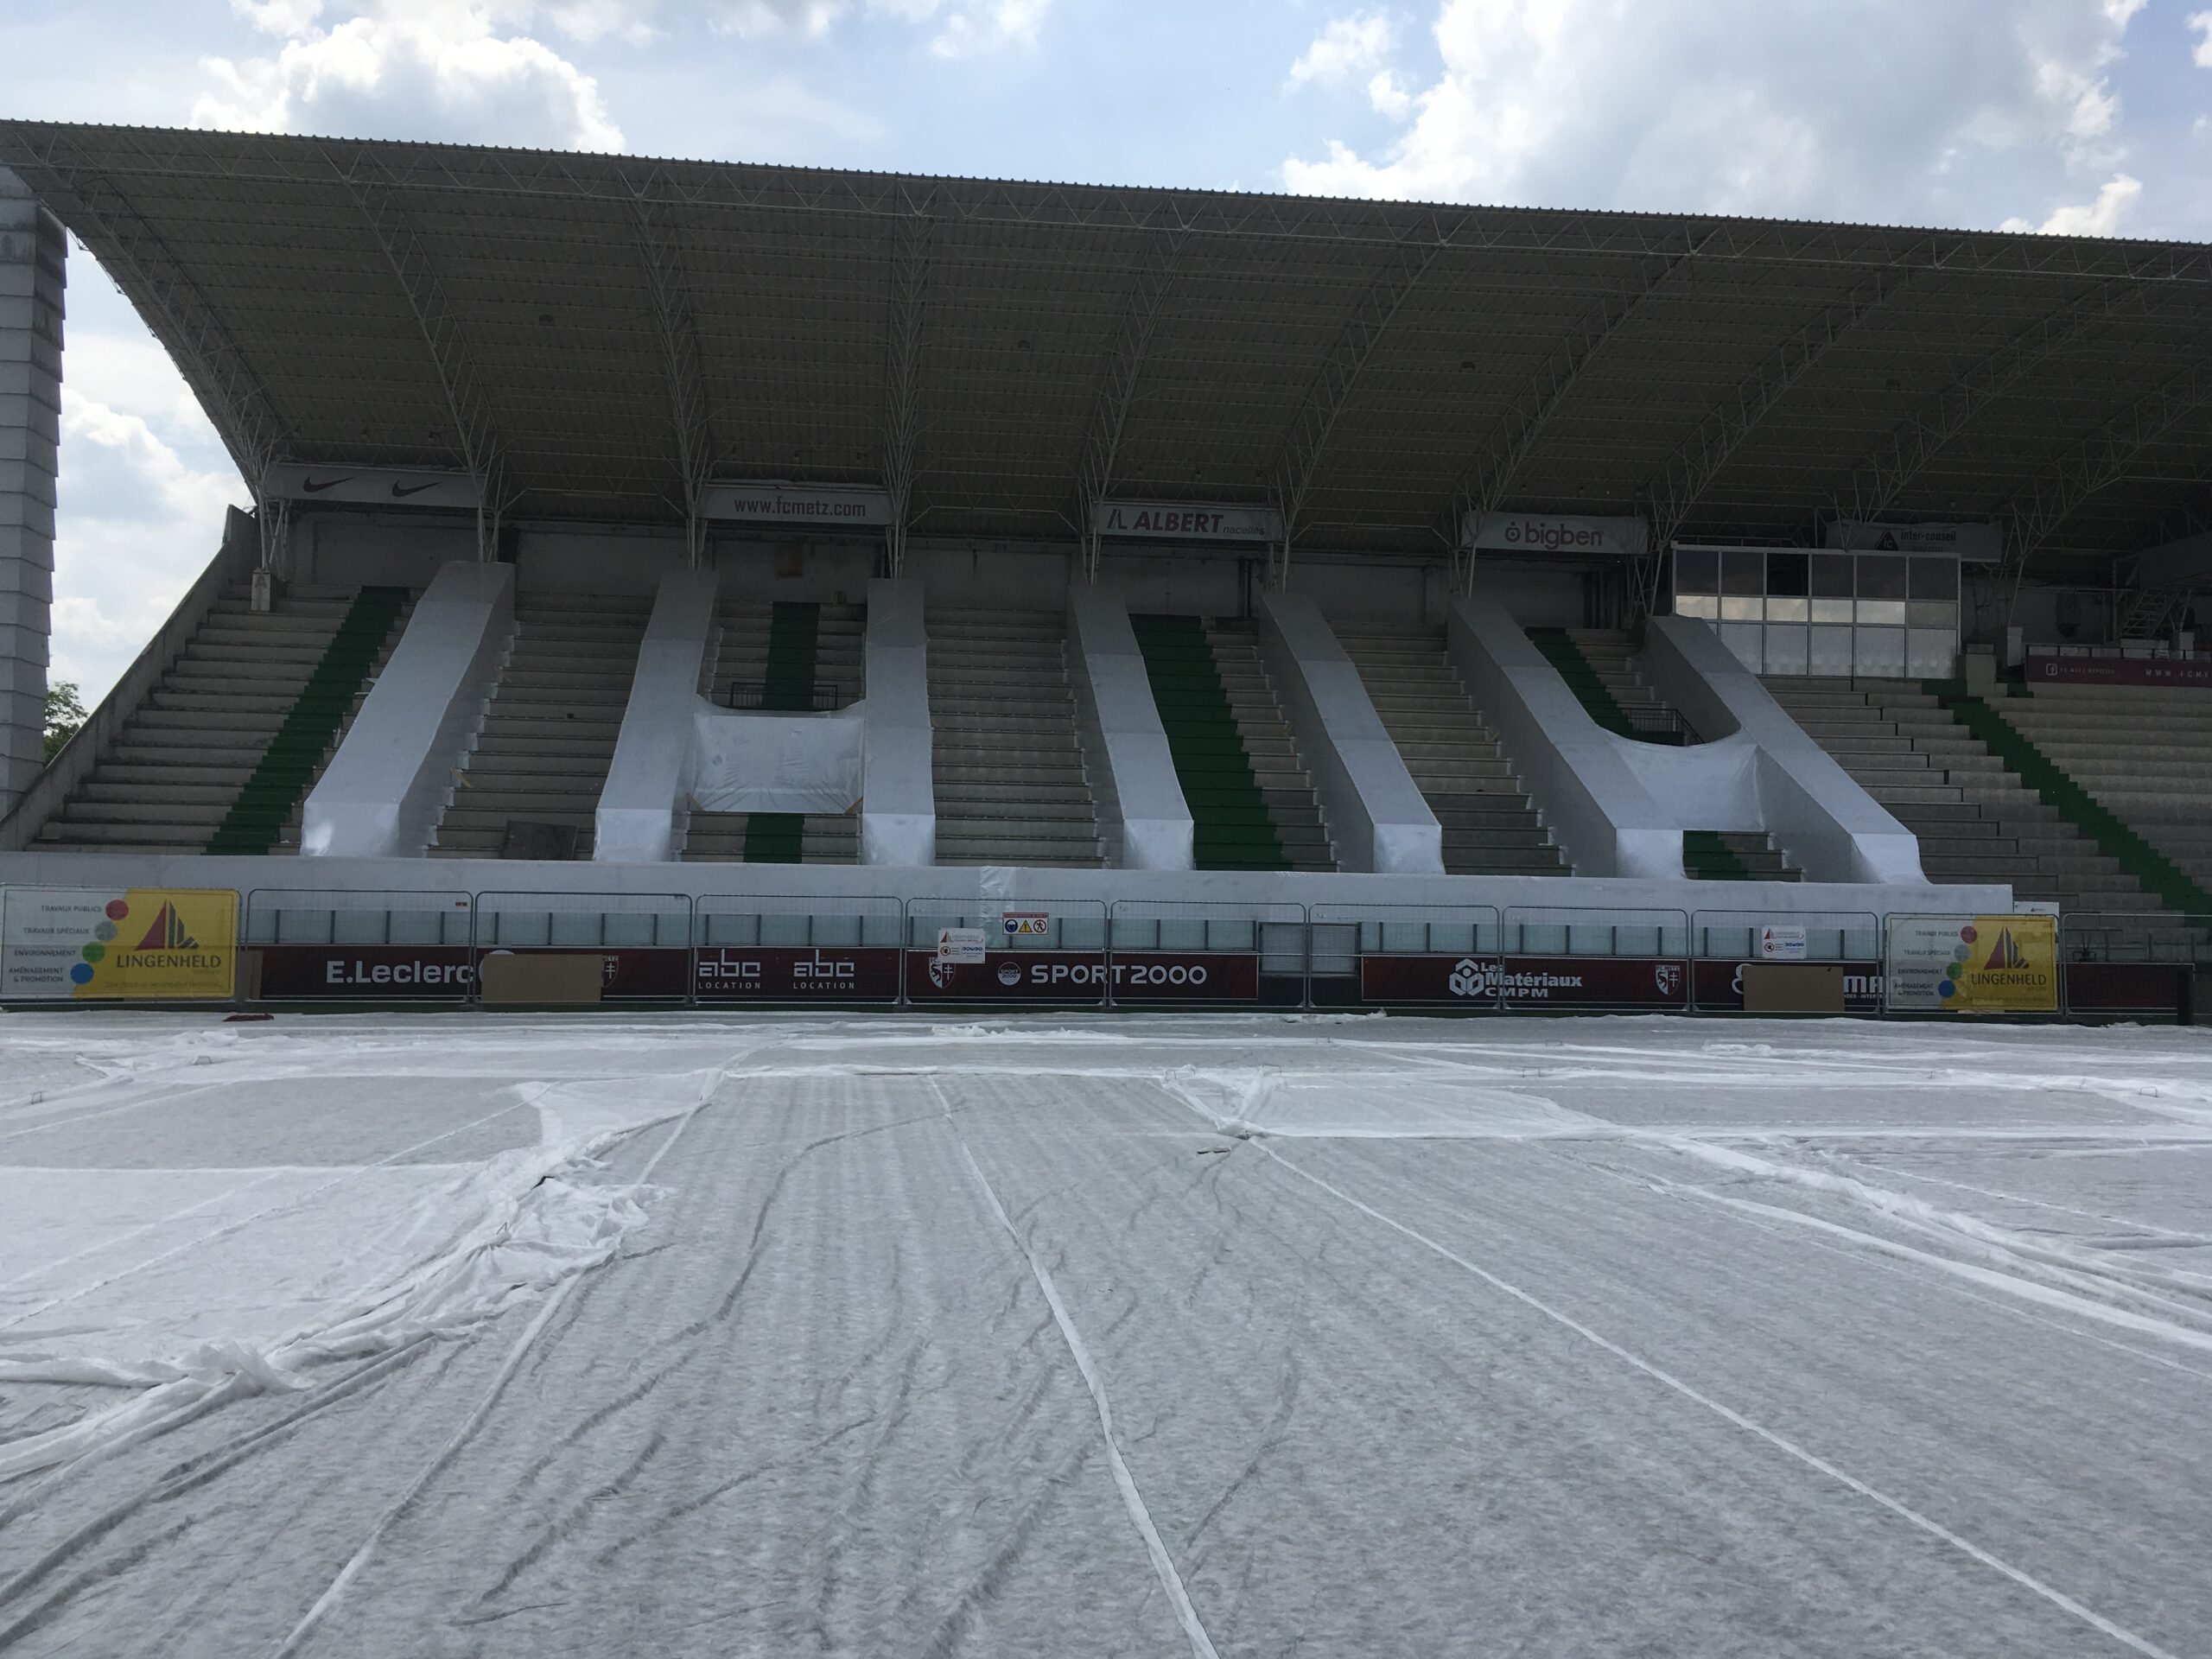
x=1978 y=964
x=100 y=944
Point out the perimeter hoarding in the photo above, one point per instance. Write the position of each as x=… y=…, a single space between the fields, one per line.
x=131 y=944
x=1977 y=964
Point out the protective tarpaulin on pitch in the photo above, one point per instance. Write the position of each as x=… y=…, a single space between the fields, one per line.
x=748 y=762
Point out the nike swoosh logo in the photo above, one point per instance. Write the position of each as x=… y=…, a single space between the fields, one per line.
x=401 y=492
x=314 y=488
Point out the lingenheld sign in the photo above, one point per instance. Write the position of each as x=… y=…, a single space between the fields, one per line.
x=1552 y=532
x=829 y=506
x=1976 y=543
x=1186 y=521
x=371 y=486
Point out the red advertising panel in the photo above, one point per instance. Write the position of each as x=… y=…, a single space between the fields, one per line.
x=321 y=973
x=1529 y=981
x=2118 y=988
x=2121 y=670
x=1720 y=986
x=1082 y=975
x=766 y=973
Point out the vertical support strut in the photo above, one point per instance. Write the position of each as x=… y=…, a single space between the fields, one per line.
x=683 y=358
x=910 y=260
x=1117 y=387
x=474 y=432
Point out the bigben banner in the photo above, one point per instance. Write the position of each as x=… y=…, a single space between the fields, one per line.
x=87 y=945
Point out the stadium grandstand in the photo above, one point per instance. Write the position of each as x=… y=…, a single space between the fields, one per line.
x=837 y=557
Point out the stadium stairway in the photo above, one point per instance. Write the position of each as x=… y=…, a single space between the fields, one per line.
x=2144 y=751
x=1490 y=824
x=1230 y=828
x=1286 y=786
x=790 y=656
x=1008 y=768
x=235 y=733
x=541 y=758
x=1599 y=665
x=1976 y=822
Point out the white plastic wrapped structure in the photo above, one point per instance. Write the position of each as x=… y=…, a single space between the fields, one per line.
x=384 y=788
x=635 y=822
x=751 y=762
x=898 y=788
x=1376 y=814
x=1142 y=816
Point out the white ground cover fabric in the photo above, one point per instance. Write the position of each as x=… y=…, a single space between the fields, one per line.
x=1235 y=1335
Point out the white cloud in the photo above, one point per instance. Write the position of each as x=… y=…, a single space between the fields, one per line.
x=1346 y=47
x=2201 y=21
x=139 y=521
x=2100 y=217
x=420 y=68
x=971 y=31
x=1885 y=109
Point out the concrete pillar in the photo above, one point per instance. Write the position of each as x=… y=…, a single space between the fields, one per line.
x=32 y=248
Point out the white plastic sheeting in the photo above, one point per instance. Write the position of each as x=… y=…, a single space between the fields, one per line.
x=752 y=762
x=1142 y=811
x=1232 y=1334
x=635 y=822
x=897 y=793
x=383 y=790
x=1376 y=814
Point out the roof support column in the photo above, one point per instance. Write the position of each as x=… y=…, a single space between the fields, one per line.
x=683 y=360
x=33 y=253
x=910 y=261
x=1118 y=388
x=1298 y=460
x=473 y=432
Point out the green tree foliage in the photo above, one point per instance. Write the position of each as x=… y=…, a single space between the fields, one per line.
x=64 y=713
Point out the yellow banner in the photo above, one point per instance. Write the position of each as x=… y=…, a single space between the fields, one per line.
x=99 y=945
x=2005 y=964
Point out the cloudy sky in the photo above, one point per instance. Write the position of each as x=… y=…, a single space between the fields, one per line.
x=2089 y=116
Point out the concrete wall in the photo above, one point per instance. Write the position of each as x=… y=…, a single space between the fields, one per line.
x=33 y=253
x=635 y=820
x=1142 y=816
x=384 y=789
x=1377 y=815
x=898 y=788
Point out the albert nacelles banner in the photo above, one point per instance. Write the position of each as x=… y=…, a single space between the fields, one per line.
x=372 y=486
x=1552 y=532
x=1973 y=964
x=129 y=945
x=1186 y=521
x=769 y=501
x=1974 y=543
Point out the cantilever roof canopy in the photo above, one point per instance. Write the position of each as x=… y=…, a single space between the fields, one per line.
x=598 y=335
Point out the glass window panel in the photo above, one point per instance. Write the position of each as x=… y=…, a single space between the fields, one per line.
x=1745 y=639
x=1931 y=614
x=1878 y=653
x=1831 y=576
x=1933 y=579
x=1785 y=651
x=1930 y=653
x=1832 y=610
x=1788 y=573
x=1829 y=651
x=1697 y=570
x=1779 y=609
x=1704 y=606
x=1886 y=612
x=1881 y=575
x=1745 y=610
x=1743 y=571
